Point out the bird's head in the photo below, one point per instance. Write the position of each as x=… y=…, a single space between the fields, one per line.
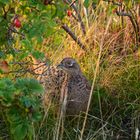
x=69 y=65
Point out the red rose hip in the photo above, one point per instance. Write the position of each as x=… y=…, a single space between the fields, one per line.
x=17 y=23
x=69 y=13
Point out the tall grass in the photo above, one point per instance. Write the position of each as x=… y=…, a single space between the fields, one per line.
x=113 y=69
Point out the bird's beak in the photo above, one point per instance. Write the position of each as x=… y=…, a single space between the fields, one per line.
x=60 y=66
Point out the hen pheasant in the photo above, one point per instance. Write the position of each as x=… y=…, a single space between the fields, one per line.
x=78 y=87
x=66 y=79
x=51 y=78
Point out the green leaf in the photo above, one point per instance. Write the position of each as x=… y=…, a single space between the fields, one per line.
x=1 y=71
x=14 y=115
x=86 y=3
x=27 y=101
x=5 y=1
x=27 y=45
x=60 y=10
x=36 y=116
x=20 y=131
x=38 y=54
x=34 y=86
x=7 y=90
x=28 y=86
x=23 y=54
x=30 y=132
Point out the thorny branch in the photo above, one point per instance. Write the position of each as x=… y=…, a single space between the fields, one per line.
x=77 y=40
x=132 y=18
x=23 y=69
x=5 y=12
x=15 y=31
x=134 y=23
x=78 y=15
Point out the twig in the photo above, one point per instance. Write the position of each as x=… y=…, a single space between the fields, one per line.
x=117 y=3
x=134 y=24
x=25 y=70
x=67 y=29
x=15 y=31
x=114 y=2
x=72 y=3
x=131 y=17
x=78 y=15
x=74 y=17
x=5 y=12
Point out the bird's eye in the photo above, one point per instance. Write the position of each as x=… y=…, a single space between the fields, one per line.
x=69 y=64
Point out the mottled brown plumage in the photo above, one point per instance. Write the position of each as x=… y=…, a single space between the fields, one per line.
x=78 y=87
x=66 y=80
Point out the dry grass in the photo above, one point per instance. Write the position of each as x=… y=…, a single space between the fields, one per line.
x=113 y=68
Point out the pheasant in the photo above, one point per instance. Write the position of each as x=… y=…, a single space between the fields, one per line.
x=78 y=87
x=66 y=80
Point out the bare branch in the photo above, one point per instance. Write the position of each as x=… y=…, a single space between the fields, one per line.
x=78 y=15
x=134 y=24
x=67 y=29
